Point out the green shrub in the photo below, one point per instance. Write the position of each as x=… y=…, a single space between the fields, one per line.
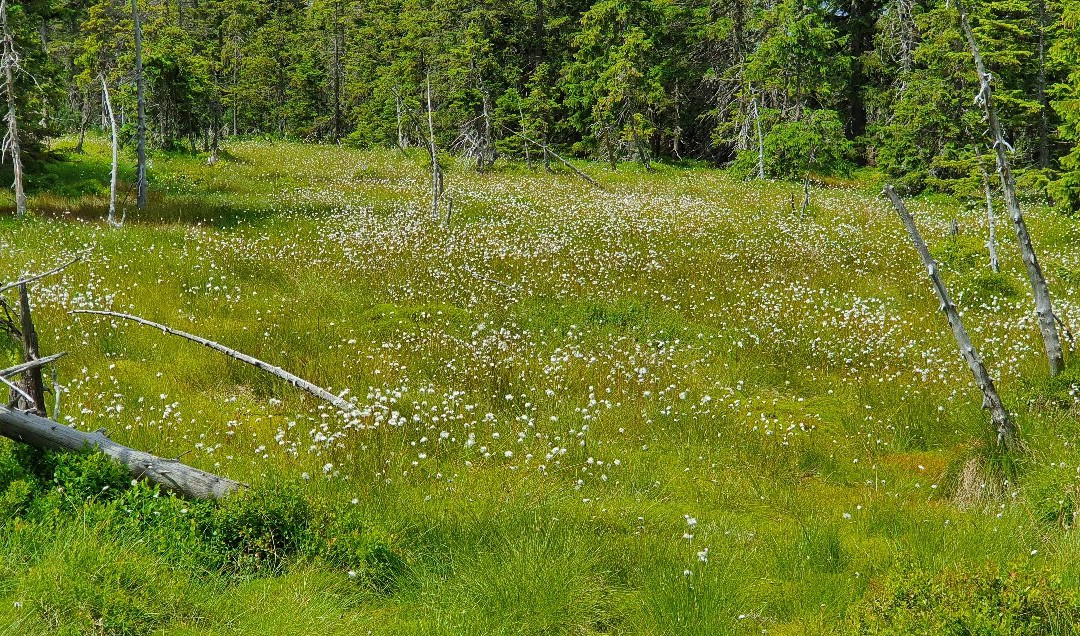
x=366 y=554
x=257 y=531
x=986 y=600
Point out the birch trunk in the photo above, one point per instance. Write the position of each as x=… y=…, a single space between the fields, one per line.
x=115 y=155
x=1003 y=424
x=1043 y=307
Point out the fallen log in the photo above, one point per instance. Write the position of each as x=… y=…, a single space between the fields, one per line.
x=548 y=149
x=298 y=382
x=170 y=474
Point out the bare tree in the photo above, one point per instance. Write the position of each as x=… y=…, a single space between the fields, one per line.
x=115 y=155
x=991 y=241
x=1003 y=424
x=140 y=81
x=9 y=60
x=1043 y=307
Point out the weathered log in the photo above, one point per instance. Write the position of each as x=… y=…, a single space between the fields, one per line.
x=300 y=383
x=170 y=474
x=1044 y=310
x=1003 y=424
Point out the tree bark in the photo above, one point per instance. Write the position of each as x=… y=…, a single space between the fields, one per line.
x=760 y=141
x=115 y=155
x=1043 y=307
x=170 y=474
x=9 y=62
x=1002 y=422
x=32 y=382
x=140 y=81
x=436 y=169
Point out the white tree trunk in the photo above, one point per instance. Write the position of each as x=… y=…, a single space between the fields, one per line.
x=115 y=155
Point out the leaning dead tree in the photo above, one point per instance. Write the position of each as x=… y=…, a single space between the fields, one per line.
x=1044 y=310
x=25 y=419
x=115 y=156
x=9 y=60
x=1003 y=424
x=298 y=382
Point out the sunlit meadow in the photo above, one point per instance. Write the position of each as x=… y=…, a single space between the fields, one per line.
x=672 y=405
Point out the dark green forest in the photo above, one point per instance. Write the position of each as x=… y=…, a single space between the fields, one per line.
x=823 y=88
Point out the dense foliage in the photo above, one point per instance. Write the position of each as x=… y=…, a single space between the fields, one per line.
x=615 y=79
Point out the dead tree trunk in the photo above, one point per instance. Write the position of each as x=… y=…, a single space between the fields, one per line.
x=32 y=381
x=140 y=82
x=1043 y=307
x=399 y=107
x=170 y=474
x=1003 y=424
x=115 y=156
x=10 y=61
x=300 y=383
x=436 y=169
x=991 y=241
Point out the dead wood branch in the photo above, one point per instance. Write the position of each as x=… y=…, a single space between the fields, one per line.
x=296 y=381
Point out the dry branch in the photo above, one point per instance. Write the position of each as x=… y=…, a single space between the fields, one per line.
x=33 y=364
x=36 y=277
x=1006 y=430
x=298 y=382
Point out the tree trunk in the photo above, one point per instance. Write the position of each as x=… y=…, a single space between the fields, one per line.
x=170 y=474
x=35 y=387
x=9 y=62
x=1043 y=307
x=991 y=242
x=1003 y=424
x=115 y=154
x=436 y=169
x=140 y=81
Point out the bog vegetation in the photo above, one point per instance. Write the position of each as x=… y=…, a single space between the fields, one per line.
x=673 y=404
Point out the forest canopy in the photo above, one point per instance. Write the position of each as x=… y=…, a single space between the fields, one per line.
x=820 y=87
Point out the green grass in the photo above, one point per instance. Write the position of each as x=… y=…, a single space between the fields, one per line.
x=553 y=389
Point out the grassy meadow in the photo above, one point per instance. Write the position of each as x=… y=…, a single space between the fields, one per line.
x=673 y=405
